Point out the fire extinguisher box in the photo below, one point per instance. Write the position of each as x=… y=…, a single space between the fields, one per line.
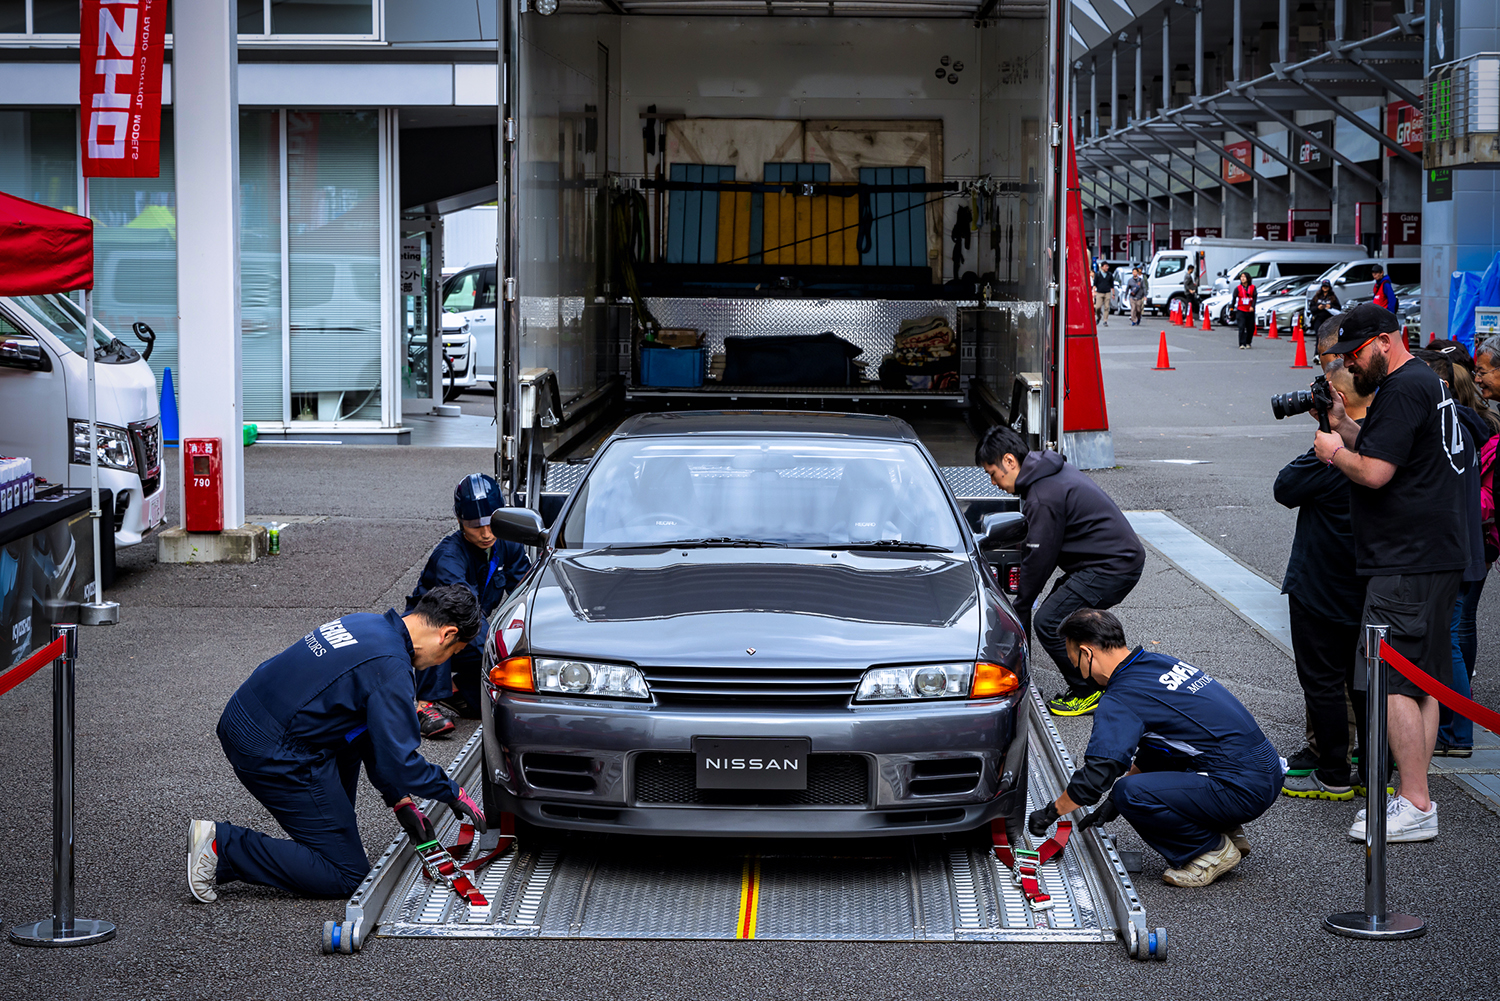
x=203 y=484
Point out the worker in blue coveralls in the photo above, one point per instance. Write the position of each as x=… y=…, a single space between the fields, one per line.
x=298 y=730
x=1192 y=765
x=472 y=557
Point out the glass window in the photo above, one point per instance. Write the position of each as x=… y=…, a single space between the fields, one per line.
x=1256 y=270
x=1356 y=273
x=461 y=292
x=54 y=17
x=65 y=320
x=260 y=266
x=813 y=493
x=39 y=157
x=135 y=253
x=12 y=17
x=322 y=17
x=1404 y=272
x=251 y=15
x=1169 y=266
x=333 y=205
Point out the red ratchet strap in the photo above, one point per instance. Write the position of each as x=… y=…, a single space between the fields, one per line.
x=1024 y=864
x=447 y=865
x=1487 y=718
x=33 y=664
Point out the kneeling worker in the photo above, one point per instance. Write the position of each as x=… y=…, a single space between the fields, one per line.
x=1198 y=764
x=298 y=730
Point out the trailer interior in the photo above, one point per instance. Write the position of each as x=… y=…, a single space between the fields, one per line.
x=736 y=203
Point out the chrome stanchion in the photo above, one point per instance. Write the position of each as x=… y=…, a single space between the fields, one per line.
x=1375 y=921
x=63 y=929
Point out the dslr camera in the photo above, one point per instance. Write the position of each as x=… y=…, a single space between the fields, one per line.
x=1300 y=401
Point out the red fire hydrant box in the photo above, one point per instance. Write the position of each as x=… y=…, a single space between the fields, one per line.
x=203 y=484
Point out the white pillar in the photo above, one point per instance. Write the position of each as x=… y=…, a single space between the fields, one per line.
x=205 y=104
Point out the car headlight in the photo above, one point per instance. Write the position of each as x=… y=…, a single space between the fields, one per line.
x=114 y=446
x=569 y=677
x=921 y=682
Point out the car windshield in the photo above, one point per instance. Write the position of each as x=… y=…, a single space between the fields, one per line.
x=752 y=490
x=63 y=318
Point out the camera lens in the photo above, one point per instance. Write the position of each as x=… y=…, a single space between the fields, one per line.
x=1286 y=405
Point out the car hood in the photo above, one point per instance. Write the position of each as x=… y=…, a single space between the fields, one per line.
x=756 y=606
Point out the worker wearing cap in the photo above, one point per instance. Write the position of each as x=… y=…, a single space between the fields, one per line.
x=301 y=726
x=1178 y=756
x=490 y=569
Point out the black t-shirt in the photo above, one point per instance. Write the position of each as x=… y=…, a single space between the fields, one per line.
x=1415 y=523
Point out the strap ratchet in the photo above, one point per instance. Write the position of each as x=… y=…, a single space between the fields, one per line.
x=1024 y=863
x=446 y=865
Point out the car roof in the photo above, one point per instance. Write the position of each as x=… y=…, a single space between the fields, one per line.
x=765 y=422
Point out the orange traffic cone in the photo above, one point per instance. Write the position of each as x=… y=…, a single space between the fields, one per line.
x=1271 y=334
x=1297 y=325
x=1300 y=360
x=1176 y=314
x=1190 y=316
x=1163 y=363
x=1206 y=324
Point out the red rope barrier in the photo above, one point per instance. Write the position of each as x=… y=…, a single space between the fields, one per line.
x=1487 y=718
x=33 y=664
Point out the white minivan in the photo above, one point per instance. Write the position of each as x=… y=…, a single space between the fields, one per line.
x=1354 y=279
x=44 y=408
x=468 y=330
x=1292 y=260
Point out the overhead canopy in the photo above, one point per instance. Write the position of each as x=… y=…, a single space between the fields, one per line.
x=43 y=249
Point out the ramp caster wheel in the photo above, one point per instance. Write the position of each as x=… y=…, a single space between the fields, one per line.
x=338 y=936
x=1156 y=943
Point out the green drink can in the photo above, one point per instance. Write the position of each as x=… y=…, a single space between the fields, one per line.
x=275 y=540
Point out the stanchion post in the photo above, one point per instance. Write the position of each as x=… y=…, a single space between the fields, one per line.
x=1375 y=922
x=63 y=929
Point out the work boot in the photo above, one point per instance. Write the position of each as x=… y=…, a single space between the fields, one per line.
x=458 y=707
x=1240 y=841
x=203 y=860
x=433 y=723
x=1071 y=704
x=1302 y=763
x=1311 y=786
x=1206 y=867
x=1403 y=822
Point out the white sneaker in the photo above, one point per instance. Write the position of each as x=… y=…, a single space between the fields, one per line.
x=1206 y=867
x=1403 y=822
x=203 y=860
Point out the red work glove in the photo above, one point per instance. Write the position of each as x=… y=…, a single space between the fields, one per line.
x=467 y=810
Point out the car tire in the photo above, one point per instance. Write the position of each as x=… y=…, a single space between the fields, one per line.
x=532 y=838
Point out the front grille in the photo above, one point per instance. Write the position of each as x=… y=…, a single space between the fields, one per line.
x=563 y=772
x=945 y=776
x=775 y=686
x=670 y=778
x=145 y=439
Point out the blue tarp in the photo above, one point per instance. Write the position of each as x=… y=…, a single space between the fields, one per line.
x=1467 y=290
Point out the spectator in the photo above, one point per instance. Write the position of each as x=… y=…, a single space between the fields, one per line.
x=1407 y=505
x=1135 y=291
x=1244 y=309
x=1325 y=597
x=1324 y=304
x=1104 y=287
x=1385 y=292
x=1487 y=368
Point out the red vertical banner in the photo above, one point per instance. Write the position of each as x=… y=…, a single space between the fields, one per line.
x=1084 y=379
x=119 y=87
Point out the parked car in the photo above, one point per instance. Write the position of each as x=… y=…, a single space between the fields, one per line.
x=761 y=624
x=1290 y=260
x=468 y=330
x=1354 y=281
x=1284 y=299
x=1216 y=304
x=1409 y=297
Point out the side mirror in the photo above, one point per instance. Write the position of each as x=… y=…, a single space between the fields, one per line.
x=1002 y=529
x=1341 y=281
x=23 y=352
x=519 y=524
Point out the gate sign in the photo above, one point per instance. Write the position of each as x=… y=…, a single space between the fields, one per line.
x=1272 y=231
x=1403 y=123
x=119 y=87
x=1122 y=244
x=1401 y=229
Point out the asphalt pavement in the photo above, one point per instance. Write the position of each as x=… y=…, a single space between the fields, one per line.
x=361 y=523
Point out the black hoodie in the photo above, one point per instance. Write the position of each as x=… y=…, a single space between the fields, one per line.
x=1072 y=523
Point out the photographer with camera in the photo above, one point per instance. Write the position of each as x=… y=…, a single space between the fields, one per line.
x=1407 y=504
x=1324 y=594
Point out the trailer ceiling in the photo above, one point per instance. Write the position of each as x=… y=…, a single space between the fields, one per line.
x=968 y=9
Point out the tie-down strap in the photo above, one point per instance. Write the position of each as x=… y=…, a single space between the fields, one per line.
x=1024 y=864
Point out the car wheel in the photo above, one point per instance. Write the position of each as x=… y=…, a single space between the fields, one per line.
x=531 y=838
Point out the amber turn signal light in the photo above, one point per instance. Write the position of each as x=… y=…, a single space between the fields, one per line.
x=991 y=680
x=513 y=674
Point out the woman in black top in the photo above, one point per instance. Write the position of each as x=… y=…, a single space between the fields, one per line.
x=1323 y=304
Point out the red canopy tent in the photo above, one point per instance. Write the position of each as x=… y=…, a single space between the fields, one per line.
x=43 y=249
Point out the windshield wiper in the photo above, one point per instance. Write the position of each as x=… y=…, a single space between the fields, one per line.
x=890 y=544
x=718 y=541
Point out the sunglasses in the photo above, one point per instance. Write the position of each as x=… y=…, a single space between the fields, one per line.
x=1347 y=355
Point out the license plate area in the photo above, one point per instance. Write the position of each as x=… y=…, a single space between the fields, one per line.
x=156 y=509
x=751 y=762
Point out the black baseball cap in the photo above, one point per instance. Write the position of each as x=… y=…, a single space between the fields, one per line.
x=1362 y=323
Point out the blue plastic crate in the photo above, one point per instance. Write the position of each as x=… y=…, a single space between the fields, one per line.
x=677 y=368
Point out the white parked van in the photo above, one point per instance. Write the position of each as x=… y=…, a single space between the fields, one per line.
x=1292 y=260
x=468 y=330
x=44 y=408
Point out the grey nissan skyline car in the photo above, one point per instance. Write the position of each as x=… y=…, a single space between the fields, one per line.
x=759 y=624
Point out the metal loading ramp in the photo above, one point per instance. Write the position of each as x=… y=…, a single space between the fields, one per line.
x=934 y=888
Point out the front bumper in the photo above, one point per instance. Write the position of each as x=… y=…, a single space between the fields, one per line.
x=607 y=750
x=459 y=355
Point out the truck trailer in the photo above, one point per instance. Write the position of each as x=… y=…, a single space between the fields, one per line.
x=842 y=205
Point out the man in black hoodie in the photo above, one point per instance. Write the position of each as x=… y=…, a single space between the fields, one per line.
x=1072 y=525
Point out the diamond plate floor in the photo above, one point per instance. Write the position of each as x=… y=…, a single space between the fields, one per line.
x=932 y=888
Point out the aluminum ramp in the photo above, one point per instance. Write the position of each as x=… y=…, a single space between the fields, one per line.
x=946 y=889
